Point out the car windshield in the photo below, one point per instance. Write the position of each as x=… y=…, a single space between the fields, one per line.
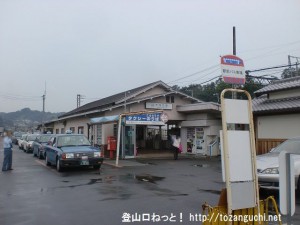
x=31 y=137
x=75 y=140
x=44 y=138
x=292 y=144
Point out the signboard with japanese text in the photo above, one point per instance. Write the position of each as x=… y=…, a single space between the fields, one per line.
x=153 y=105
x=233 y=70
x=147 y=119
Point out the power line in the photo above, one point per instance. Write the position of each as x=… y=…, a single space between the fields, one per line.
x=268 y=68
x=20 y=98
x=199 y=79
x=270 y=47
x=193 y=74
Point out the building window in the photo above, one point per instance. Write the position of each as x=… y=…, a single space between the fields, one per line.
x=62 y=130
x=57 y=131
x=167 y=98
x=172 y=99
x=99 y=134
x=80 y=130
x=72 y=129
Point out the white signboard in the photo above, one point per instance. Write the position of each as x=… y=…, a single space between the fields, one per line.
x=153 y=105
x=232 y=68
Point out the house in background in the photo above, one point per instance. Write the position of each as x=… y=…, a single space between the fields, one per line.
x=276 y=110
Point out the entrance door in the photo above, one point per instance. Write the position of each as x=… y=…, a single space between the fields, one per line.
x=129 y=141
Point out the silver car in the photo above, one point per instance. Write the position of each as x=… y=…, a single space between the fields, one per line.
x=268 y=165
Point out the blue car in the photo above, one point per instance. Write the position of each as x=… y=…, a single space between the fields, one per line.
x=39 y=144
x=72 y=150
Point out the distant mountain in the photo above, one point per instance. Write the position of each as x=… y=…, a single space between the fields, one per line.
x=25 y=119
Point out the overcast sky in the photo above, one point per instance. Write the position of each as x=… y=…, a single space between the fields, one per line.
x=101 y=47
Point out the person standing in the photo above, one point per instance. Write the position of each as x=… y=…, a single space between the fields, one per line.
x=175 y=144
x=7 y=145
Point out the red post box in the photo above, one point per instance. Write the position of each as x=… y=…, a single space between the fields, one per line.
x=111 y=146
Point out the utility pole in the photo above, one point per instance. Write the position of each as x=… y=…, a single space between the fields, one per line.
x=234 y=94
x=79 y=98
x=290 y=64
x=234 y=42
x=43 y=116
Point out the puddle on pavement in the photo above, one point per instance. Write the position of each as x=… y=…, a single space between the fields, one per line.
x=201 y=165
x=216 y=192
x=149 y=163
x=93 y=181
x=148 y=178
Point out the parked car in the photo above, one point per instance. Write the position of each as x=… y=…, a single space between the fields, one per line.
x=15 y=137
x=21 y=140
x=27 y=143
x=72 y=150
x=39 y=143
x=268 y=165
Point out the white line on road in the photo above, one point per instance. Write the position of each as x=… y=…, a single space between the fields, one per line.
x=44 y=165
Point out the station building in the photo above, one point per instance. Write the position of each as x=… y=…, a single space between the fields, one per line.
x=151 y=112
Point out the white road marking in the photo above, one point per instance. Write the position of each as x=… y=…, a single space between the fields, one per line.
x=44 y=165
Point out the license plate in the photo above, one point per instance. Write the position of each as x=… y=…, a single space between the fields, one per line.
x=85 y=157
x=84 y=163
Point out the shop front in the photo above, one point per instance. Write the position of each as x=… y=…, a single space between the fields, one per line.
x=139 y=132
x=142 y=132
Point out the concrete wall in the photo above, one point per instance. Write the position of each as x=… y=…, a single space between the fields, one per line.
x=76 y=122
x=278 y=126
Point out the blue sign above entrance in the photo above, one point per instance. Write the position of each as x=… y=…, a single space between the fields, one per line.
x=145 y=119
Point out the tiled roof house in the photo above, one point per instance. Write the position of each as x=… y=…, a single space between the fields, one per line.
x=276 y=110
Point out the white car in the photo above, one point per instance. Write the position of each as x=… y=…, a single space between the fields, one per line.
x=21 y=140
x=27 y=143
x=268 y=165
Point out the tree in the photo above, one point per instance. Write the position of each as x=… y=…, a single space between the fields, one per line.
x=211 y=92
x=290 y=72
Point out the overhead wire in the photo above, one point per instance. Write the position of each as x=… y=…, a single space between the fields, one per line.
x=19 y=97
x=193 y=74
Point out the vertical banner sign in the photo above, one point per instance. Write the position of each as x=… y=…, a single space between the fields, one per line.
x=233 y=70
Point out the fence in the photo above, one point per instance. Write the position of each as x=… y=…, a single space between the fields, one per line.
x=265 y=145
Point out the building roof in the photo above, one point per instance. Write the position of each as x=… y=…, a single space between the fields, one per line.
x=279 y=85
x=119 y=99
x=263 y=105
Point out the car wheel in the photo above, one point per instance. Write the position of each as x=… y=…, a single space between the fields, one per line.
x=39 y=155
x=34 y=154
x=58 y=166
x=47 y=162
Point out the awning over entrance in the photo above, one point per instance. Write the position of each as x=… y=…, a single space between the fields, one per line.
x=105 y=119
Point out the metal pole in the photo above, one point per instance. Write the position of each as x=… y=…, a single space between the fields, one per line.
x=118 y=142
x=288 y=188
x=234 y=94
x=125 y=103
x=234 y=42
x=43 y=117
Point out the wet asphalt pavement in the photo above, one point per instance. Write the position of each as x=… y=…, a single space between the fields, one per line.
x=34 y=194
